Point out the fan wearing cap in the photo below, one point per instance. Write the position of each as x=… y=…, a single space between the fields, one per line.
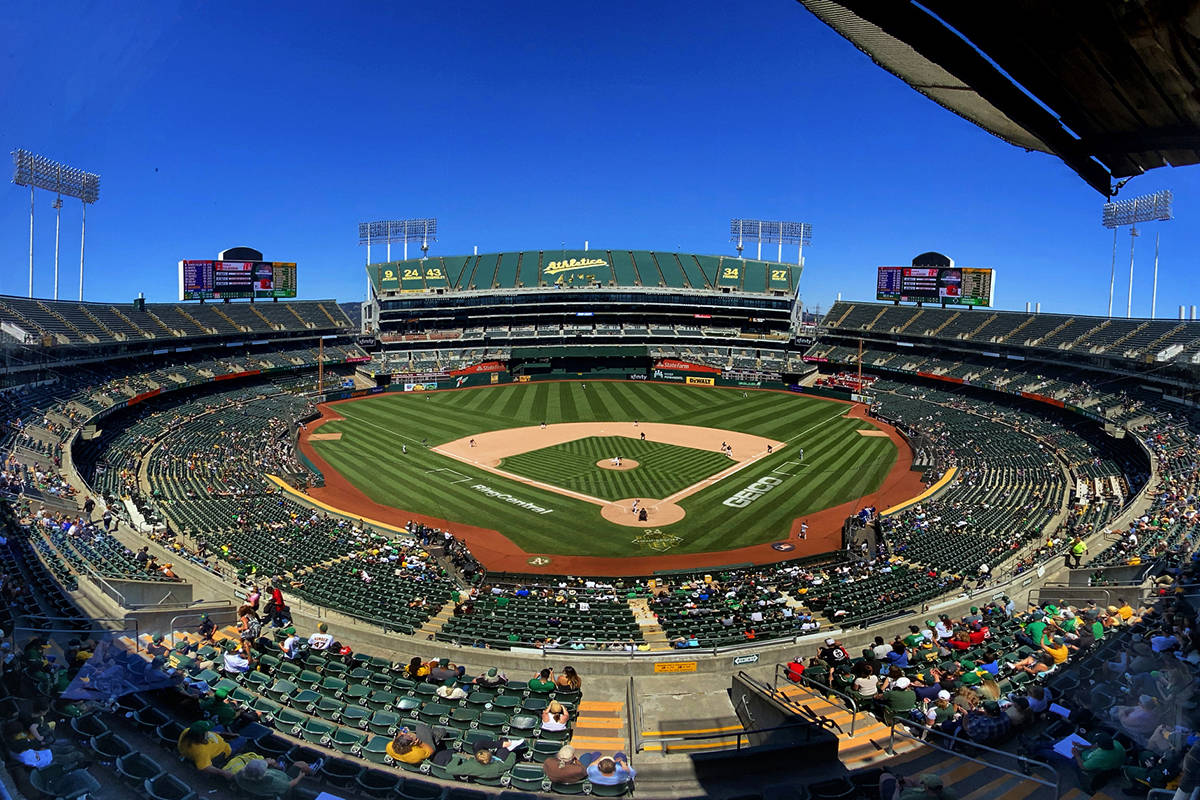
x=450 y=690
x=156 y=646
x=940 y=713
x=899 y=699
x=1058 y=649
x=833 y=654
x=200 y=745
x=207 y=629
x=491 y=679
x=290 y=648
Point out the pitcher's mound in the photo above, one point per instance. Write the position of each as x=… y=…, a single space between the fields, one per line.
x=658 y=513
x=626 y=463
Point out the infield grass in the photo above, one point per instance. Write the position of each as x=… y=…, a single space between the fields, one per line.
x=839 y=465
x=662 y=469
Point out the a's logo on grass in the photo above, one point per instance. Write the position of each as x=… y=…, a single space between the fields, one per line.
x=538 y=561
x=657 y=540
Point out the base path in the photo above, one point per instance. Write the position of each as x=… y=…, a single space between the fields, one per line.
x=500 y=554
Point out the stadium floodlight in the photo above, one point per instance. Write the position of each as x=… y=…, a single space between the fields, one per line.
x=1146 y=208
x=404 y=231
x=39 y=172
x=777 y=232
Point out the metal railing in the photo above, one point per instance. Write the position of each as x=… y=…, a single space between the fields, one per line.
x=631 y=719
x=1025 y=766
x=194 y=617
x=778 y=696
x=740 y=738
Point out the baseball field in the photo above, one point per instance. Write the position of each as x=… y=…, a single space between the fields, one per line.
x=711 y=468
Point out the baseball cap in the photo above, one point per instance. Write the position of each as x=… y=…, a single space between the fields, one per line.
x=943 y=695
x=158 y=637
x=903 y=683
x=967 y=664
x=970 y=678
x=931 y=781
x=491 y=672
x=831 y=641
x=974 y=610
x=201 y=726
x=222 y=693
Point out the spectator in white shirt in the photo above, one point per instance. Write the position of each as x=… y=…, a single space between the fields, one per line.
x=321 y=640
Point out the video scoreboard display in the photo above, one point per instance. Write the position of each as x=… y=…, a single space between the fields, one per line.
x=961 y=286
x=236 y=280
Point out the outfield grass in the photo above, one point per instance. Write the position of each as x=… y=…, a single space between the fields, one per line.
x=839 y=465
x=662 y=470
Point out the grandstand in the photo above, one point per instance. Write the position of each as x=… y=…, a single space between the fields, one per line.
x=1045 y=427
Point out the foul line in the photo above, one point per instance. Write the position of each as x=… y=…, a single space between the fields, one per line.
x=522 y=479
x=380 y=427
x=814 y=427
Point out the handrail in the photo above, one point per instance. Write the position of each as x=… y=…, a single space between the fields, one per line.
x=738 y=735
x=631 y=717
x=850 y=701
x=1030 y=763
x=195 y=615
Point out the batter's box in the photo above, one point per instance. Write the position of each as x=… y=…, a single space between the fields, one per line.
x=454 y=477
x=790 y=468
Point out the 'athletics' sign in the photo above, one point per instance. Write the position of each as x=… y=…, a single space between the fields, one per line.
x=752 y=492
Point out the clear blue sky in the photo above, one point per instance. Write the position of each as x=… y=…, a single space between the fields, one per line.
x=520 y=126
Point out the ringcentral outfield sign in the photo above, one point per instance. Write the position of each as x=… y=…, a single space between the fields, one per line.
x=508 y=498
x=752 y=492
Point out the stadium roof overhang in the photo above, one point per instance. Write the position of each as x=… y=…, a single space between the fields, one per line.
x=1109 y=86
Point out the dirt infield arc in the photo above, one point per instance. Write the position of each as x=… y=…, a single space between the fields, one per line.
x=498 y=553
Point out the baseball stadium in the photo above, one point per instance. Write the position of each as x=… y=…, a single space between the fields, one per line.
x=615 y=522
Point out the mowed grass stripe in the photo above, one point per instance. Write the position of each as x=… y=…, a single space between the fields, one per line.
x=663 y=468
x=840 y=464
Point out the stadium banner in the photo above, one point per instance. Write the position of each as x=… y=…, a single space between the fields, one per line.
x=685 y=366
x=691 y=380
x=138 y=398
x=231 y=375
x=524 y=378
x=665 y=375
x=420 y=377
x=1041 y=398
x=421 y=387
x=356 y=359
x=483 y=366
x=946 y=378
x=367 y=342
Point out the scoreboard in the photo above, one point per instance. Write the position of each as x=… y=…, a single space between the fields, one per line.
x=961 y=286
x=236 y=280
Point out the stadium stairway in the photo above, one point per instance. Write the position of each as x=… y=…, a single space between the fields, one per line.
x=601 y=725
x=970 y=779
x=865 y=747
x=433 y=625
x=652 y=632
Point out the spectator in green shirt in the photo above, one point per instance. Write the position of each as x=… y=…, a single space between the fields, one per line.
x=899 y=699
x=483 y=764
x=1105 y=755
x=543 y=681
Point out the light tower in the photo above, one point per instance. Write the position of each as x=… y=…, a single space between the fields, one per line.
x=39 y=172
x=780 y=233
x=1146 y=208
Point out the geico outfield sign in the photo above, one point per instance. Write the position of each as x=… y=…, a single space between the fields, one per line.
x=752 y=492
